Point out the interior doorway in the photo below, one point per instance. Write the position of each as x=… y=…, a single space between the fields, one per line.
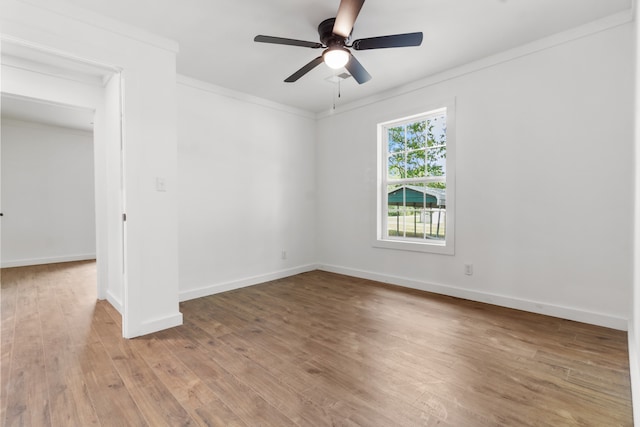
x=53 y=81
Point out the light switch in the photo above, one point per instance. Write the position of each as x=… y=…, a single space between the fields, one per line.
x=161 y=185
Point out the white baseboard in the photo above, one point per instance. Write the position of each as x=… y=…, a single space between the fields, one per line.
x=155 y=325
x=114 y=301
x=568 y=313
x=48 y=260
x=634 y=372
x=242 y=283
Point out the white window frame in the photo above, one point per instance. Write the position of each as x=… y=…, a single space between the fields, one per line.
x=446 y=246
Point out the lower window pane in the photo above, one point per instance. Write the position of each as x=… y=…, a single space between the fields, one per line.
x=416 y=211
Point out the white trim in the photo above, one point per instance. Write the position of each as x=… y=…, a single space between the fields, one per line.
x=634 y=372
x=48 y=260
x=43 y=59
x=554 y=40
x=241 y=96
x=26 y=124
x=243 y=283
x=114 y=301
x=568 y=313
x=155 y=325
x=413 y=246
x=23 y=64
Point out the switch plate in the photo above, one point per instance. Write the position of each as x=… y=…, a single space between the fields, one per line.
x=161 y=184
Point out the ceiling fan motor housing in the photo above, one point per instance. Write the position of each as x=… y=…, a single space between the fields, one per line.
x=325 y=30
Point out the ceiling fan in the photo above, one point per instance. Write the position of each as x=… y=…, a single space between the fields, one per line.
x=335 y=35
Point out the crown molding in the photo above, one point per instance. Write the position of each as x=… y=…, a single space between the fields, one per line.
x=554 y=40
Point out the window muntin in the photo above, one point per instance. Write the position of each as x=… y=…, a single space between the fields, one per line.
x=415 y=160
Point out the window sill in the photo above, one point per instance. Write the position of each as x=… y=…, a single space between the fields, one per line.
x=434 y=248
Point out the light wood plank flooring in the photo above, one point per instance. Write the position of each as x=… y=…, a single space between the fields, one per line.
x=317 y=349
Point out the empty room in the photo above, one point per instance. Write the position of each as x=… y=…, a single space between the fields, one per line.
x=319 y=212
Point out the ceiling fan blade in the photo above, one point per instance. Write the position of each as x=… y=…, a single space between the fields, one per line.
x=304 y=70
x=382 y=42
x=346 y=17
x=356 y=69
x=288 y=42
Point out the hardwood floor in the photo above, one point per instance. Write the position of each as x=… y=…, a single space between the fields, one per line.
x=317 y=349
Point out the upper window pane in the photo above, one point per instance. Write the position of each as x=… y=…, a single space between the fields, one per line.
x=417 y=149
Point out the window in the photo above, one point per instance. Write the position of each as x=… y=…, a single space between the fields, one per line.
x=415 y=197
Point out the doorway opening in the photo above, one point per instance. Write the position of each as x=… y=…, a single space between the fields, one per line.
x=34 y=78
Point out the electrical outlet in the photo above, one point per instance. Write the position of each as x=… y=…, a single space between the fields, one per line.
x=468 y=269
x=284 y=254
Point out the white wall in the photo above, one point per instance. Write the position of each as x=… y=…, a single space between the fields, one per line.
x=246 y=189
x=634 y=322
x=47 y=194
x=544 y=146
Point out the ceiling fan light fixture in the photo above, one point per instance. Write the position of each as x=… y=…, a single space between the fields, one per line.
x=335 y=36
x=336 y=57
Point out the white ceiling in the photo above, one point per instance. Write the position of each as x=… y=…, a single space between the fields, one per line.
x=216 y=38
